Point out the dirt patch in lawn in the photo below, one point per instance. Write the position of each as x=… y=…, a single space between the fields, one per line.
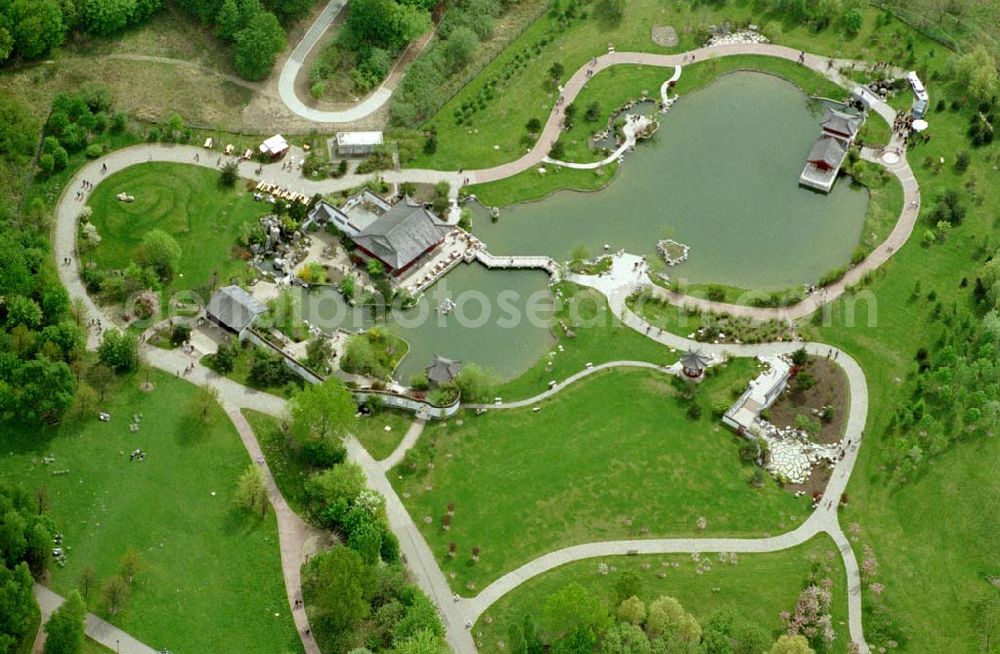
x=828 y=393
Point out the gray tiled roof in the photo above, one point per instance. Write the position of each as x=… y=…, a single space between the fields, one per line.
x=402 y=234
x=324 y=212
x=442 y=370
x=841 y=123
x=234 y=307
x=828 y=150
x=694 y=360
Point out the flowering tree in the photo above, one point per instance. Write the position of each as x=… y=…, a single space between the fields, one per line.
x=811 y=617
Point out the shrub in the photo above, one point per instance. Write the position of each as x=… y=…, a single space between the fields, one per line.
x=94 y=150
x=180 y=334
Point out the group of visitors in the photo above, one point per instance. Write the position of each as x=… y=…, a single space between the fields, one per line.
x=85 y=187
x=903 y=123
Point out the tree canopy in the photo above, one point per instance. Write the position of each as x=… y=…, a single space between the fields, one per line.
x=322 y=414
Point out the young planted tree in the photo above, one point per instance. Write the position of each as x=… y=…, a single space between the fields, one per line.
x=131 y=563
x=87 y=581
x=114 y=592
x=202 y=401
x=250 y=492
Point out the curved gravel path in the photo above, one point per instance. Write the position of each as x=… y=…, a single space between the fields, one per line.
x=374 y=101
x=457 y=612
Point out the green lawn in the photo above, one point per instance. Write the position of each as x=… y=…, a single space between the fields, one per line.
x=372 y=434
x=532 y=184
x=91 y=646
x=595 y=336
x=606 y=458
x=210 y=573
x=184 y=201
x=757 y=586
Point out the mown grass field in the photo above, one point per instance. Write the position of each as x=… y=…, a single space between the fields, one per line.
x=184 y=201
x=209 y=572
x=757 y=587
x=612 y=456
x=594 y=336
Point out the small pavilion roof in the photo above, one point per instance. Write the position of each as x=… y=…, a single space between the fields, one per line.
x=442 y=370
x=694 y=360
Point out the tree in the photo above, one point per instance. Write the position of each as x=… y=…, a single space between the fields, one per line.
x=572 y=608
x=43 y=389
x=119 y=351
x=23 y=311
x=334 y=579
x=476 y=383
x=627 y=585
x=611 y=10
x=853 y=21
x=101 y=376
x=440 y=200
x=229 y=174
x=250 y=492
x=791 y=645
x=624 y=638
x=224 y=359
x=321 y=415
x=800 y=357
x=257 y=46
x=130 y=564
x=632 y=610
x=17 y=603
x=106 y=17
x=202 y=401
x=666 y=614
x=976 y=72
x=114 y=592
x=332 y=492
x=422 y=642
x=366 y=539
x=87 y=581
x=385 y=23
x=160 y=252
x=460 y=46
x=175 y=126
x=36 y=26
x=420 y=615
x=64 y=630
x=556 y=71
x=180 y=334
x=319 y=351
x=233 y=16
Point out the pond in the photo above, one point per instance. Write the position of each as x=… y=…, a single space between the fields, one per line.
x=500 y=321
x=721 y=175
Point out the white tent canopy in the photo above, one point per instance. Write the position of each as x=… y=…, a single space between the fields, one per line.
x=274 y=145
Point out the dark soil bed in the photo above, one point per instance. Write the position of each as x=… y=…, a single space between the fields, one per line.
x=829 y=390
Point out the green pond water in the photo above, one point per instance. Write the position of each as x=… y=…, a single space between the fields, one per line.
x=721 y=175
x=491 y=324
